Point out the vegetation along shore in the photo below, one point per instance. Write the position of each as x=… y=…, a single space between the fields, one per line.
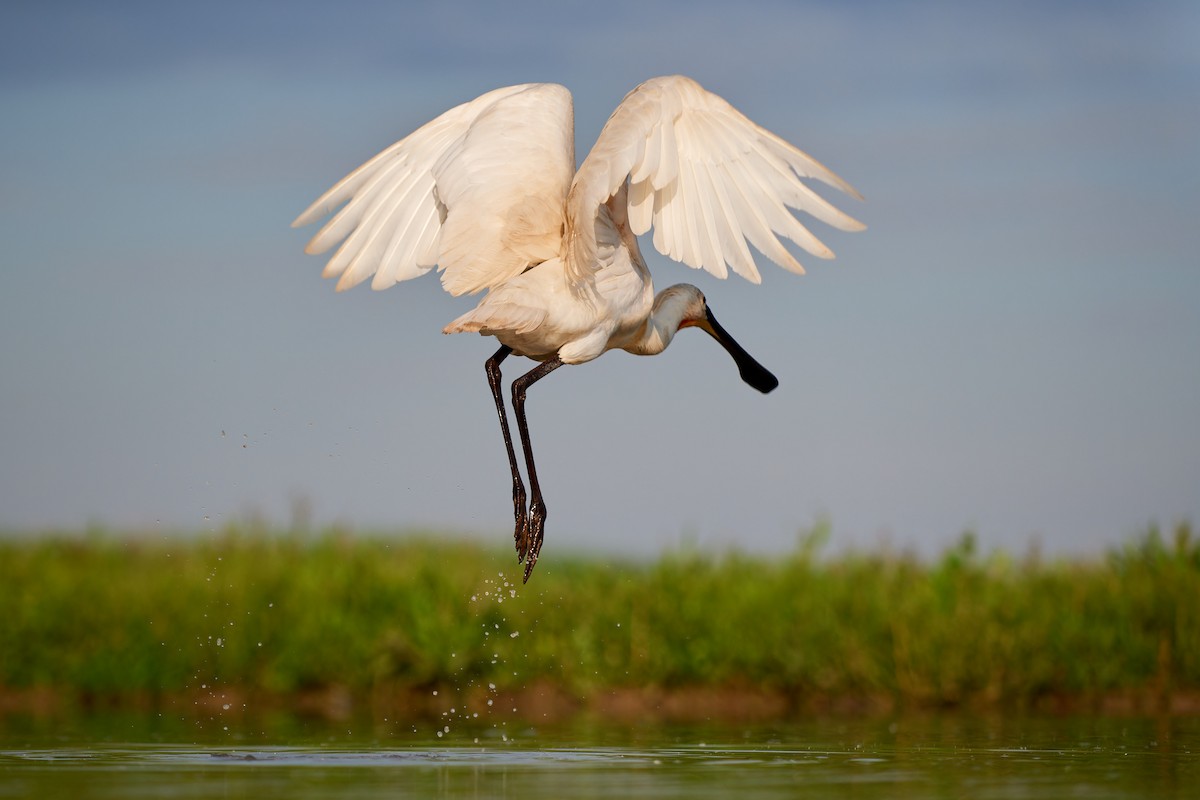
x=331 y=621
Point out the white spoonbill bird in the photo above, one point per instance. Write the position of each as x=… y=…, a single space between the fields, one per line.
x=488 y=193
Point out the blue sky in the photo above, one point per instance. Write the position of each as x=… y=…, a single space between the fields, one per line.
x=1010 y=347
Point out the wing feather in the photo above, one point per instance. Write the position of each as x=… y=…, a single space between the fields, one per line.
x=706 y=222
x=733 y=241
x=390 y=217
x=478 y=192
x=706 y=178
x=641 y=206
x=756 y=226
x=730 y=244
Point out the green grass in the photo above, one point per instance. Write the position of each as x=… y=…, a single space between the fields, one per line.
x=103 y=616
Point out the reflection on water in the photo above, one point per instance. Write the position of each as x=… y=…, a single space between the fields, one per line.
x=910 y=757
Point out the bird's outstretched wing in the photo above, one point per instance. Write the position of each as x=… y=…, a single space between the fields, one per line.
x=706 y=177
x=479 y=192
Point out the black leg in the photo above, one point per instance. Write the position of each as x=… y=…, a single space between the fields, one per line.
x=521 y=533
x=537 y=509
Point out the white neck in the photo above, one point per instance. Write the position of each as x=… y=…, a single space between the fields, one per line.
x=671 y=307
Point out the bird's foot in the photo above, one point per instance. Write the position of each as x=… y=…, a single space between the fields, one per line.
x=537 y=526
x=521 y=532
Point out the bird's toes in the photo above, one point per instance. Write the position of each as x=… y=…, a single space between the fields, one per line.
x=537 y=527
x=529 y=566
x=521 y=531
x=521 y=536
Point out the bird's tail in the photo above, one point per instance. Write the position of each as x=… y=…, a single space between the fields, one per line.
x=489 y=319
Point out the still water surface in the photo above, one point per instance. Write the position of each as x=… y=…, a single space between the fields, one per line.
x=901 y=757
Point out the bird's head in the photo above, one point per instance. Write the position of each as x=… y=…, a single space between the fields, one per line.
x=697 y=314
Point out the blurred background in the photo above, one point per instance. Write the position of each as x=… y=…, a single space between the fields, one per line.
x=1011 y=347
